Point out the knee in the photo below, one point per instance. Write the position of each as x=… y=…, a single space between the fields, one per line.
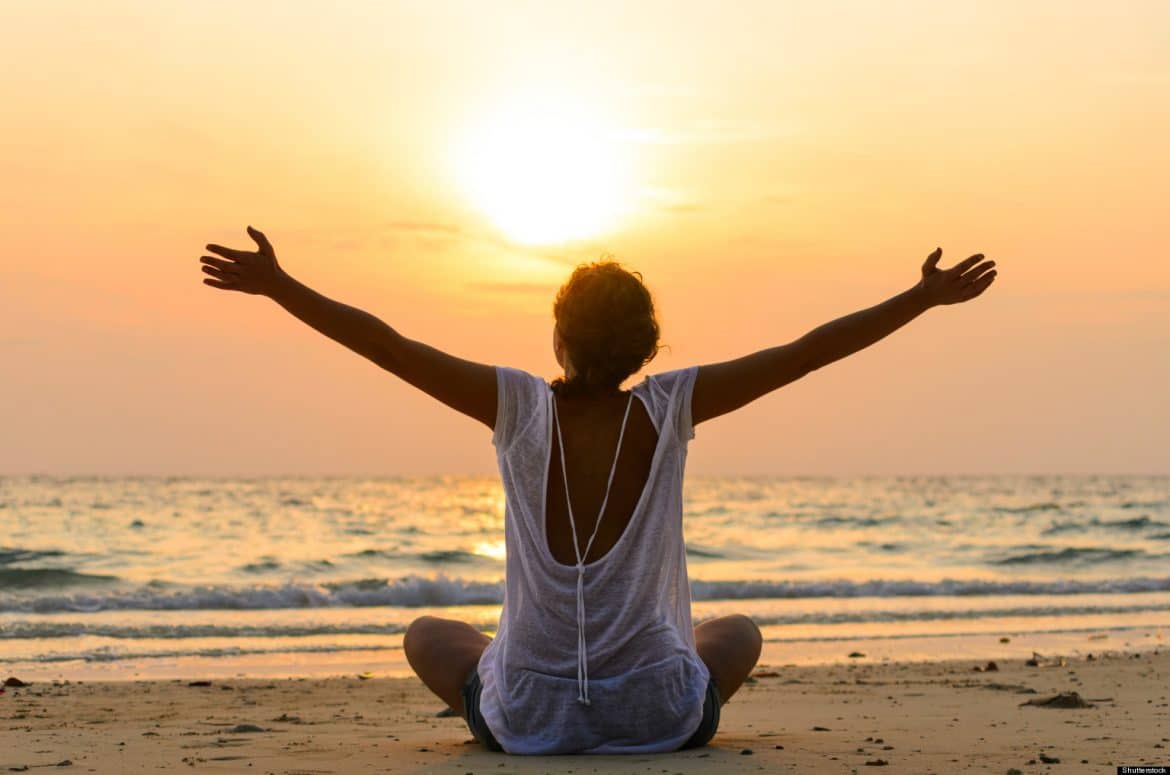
x=751 y=630
x=417 y=635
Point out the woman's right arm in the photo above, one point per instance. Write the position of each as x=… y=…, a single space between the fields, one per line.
x=463 y=385
x=724 y=387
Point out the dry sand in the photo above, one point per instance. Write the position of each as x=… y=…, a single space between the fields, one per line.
x=917 y=717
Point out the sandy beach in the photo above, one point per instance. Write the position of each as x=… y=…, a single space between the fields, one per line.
x=918 y=717
x=339 y=341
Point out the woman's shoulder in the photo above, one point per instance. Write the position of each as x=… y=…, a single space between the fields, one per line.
x=667 y=395
x=520 y=398
x=665 y=384
x=512 y=375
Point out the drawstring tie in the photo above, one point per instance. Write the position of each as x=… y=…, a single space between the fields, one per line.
x=582 y=645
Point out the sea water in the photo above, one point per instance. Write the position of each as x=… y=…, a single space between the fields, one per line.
x=181 y=577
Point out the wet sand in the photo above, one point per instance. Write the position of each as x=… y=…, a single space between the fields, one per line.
x=920 y=717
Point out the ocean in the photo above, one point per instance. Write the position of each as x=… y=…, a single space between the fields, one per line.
x=123 y=578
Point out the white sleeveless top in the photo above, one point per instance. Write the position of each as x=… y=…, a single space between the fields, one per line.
x=645 y=682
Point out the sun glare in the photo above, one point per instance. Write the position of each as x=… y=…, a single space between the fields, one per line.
x=544 y=171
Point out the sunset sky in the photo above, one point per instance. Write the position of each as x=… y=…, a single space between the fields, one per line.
x=767 y=166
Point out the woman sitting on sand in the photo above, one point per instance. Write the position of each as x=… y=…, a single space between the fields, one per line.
x=595 y=650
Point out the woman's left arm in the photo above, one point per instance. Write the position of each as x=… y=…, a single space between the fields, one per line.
x=724 y=387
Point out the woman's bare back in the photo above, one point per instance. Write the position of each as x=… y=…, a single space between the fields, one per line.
x=590 y=428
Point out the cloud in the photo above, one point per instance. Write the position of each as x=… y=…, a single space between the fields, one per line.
x=544 y=289
x=705 y=132
x=435 y=234
x=424 y=226
x=670 y=199
x=382 y=234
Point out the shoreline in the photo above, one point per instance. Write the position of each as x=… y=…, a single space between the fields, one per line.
x=922 y=716
x=896 y=643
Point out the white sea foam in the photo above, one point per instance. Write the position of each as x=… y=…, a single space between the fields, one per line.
x=442 y=591
x=82 y=627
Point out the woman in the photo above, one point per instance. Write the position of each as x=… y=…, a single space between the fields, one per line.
x=595 y=650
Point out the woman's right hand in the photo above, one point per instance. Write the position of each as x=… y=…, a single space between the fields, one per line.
x=249 y=271
x=962 y=282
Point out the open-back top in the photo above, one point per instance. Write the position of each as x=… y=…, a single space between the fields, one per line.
x=616 y=632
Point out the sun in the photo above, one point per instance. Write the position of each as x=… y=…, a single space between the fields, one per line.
x=544 y=171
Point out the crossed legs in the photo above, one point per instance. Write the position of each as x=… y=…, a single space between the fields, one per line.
x=443 y=652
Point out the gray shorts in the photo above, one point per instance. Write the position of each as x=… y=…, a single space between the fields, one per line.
x=479 y=728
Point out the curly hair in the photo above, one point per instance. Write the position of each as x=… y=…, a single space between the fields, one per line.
x=605 y=317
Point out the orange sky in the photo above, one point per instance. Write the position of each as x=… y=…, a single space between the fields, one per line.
x=776 y=164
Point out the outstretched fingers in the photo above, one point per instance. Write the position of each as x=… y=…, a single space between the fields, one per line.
x=222 y=278
x=220 y=284
x=961 y=267
x=227 y=279
x=242 y=256
x=221 y=264
x=219 y=274
x=978 y=272
x=978 y=287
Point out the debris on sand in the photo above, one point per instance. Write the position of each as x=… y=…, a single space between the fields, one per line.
x=447 y=712
x=877 y=763
x=199 y=683
x=1062 y=700
x=15 y=682
x=244 y=728
x=1046 y=759
x=991 y=668
x=856 y=655
x=1040 y=661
